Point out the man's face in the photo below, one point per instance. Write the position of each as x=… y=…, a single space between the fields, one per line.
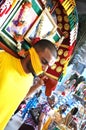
x=47 y=59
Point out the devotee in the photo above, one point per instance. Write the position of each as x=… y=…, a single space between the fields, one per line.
x=17 y=76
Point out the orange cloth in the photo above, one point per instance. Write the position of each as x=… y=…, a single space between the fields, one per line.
x=35 y=60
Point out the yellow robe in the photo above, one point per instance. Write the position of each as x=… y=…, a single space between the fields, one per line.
x=14 y=85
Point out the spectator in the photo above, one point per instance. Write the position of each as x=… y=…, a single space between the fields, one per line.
x=55 y=118
x=69 y=120
x=30 y=124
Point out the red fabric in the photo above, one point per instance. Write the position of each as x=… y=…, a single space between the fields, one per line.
x=75 y=119
x=61 y=1
x=35 y=40
x=63 y=93
x=84 y=92
x=50 y=84
x=71 y=48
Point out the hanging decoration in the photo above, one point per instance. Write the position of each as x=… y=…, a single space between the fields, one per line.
x=67 y=22
x=23 y=15
x=27 y=23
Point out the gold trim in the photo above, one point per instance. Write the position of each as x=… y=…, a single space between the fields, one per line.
x=53 y=66
x=65 y=46
x=66 y=34
x=66 y=18
x=60 y=25
x=59 y=18
x=51 y=76
x=65 y=53
x=60 y=52
x=62 y=61
x=58 y=11
x=59 y=69
x=66 y=26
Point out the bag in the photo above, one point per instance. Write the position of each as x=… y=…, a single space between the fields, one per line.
x=35 y=113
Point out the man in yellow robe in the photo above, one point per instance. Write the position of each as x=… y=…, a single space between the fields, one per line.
x=17 y=75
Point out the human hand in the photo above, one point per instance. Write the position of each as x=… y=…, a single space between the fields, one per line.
x=42 y=79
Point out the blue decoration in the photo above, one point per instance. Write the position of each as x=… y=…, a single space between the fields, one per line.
x=31 y=103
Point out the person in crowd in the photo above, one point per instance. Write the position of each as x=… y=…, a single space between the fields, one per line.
x=72 y=87
x=17 y=76
x=64 y=88
x=64 y=123
x=32 y=102
x=69 y=121
x=55 y=118
x=78 y=81
x=72 y=79
x=30 y=123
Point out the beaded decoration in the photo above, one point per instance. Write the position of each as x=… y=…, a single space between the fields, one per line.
x=40 y=27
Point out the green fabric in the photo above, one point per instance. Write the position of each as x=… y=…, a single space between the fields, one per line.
x=56 y=128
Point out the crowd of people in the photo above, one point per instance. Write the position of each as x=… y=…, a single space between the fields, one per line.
x=48 y=117
x=31 y=123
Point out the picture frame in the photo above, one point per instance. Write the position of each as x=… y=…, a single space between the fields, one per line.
x=44 y=27
x=8 y=28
